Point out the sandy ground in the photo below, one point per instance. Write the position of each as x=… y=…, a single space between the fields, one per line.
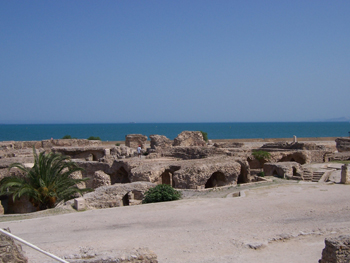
x=284 y=223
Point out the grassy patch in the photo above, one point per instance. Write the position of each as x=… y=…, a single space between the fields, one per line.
x=344 y=162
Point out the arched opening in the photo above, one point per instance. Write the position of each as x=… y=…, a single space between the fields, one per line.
x=243 y=175
x=215 y=180
x=121 y=176
x=126 y=200
x=294 y=171
x=166 y=178
x=274 y=173
x=295 y=157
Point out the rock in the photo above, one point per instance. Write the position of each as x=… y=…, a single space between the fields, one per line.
x=140 y=255
x=134 y=140
x=343 y=144
x=89 y=153
x=10 y=252
x=160 y=141
x=293 y=146
x=337 y=250
x=228 y=144
x=189 y=138
x=123 y=151
x=100 y=179
x=117 y=195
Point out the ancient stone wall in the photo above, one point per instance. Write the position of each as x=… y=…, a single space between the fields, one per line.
x=134 y=140
x=189 y=138
x=160 y=141
x=343 y=144
x=337 y=250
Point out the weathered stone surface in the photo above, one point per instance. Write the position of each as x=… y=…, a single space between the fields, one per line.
x=123 y=152
x=293 y=146
x=88 y=255
x=20 y=206
x=343 y=144
x=100 y=179
x=288 y=170
x=2 y=211
x=117 y=195
x=187 y=153
x=228 y=144
x=88 y=153
x=160 y=141
x=189 y=138
x=70 y=143
x=90 y=168
x=345 y=174
x=337 y=250
x=10 y=252
x=134 y=140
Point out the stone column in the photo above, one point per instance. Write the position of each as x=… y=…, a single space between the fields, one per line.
x=345 y=174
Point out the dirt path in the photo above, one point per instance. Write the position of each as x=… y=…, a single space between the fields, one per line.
x=286 y=223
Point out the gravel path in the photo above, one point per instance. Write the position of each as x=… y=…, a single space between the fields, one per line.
x=284 y=223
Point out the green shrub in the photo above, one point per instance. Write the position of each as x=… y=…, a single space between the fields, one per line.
x=94 y=138
x=67 y=137
x=161 y=193
x=262 y=155
x=117 y=144
x=261 y=174
x=205 y=136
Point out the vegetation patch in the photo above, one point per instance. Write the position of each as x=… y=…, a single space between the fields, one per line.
x=161 y=193
x=94 y=138
x=205 y=136
x=47 y=183
x=261 y=155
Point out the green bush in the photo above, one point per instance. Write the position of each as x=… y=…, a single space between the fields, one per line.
x=117 y=144
x=161 y=193
x=261 y=174
x=94 y=138
x=67 y=137
x=205 y=136
x=262 y=155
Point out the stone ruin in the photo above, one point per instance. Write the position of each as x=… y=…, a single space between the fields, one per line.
x=10 y=251
x=343 y=144
x=337 y=250
x=134 y=140
x=188 y=162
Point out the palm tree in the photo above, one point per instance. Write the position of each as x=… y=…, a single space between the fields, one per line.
x=47 y=183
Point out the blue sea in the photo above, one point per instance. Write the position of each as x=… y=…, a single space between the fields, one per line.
x=117 y=132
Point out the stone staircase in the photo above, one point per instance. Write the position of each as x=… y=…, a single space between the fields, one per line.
x=317 y=176
x=308 y=175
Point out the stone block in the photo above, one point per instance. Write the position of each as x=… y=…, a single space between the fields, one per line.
x=79 y=203
x=345 y=174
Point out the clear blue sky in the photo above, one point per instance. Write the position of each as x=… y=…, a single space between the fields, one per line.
x=173 y=61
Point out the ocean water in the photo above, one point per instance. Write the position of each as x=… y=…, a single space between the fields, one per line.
x=117 y=132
